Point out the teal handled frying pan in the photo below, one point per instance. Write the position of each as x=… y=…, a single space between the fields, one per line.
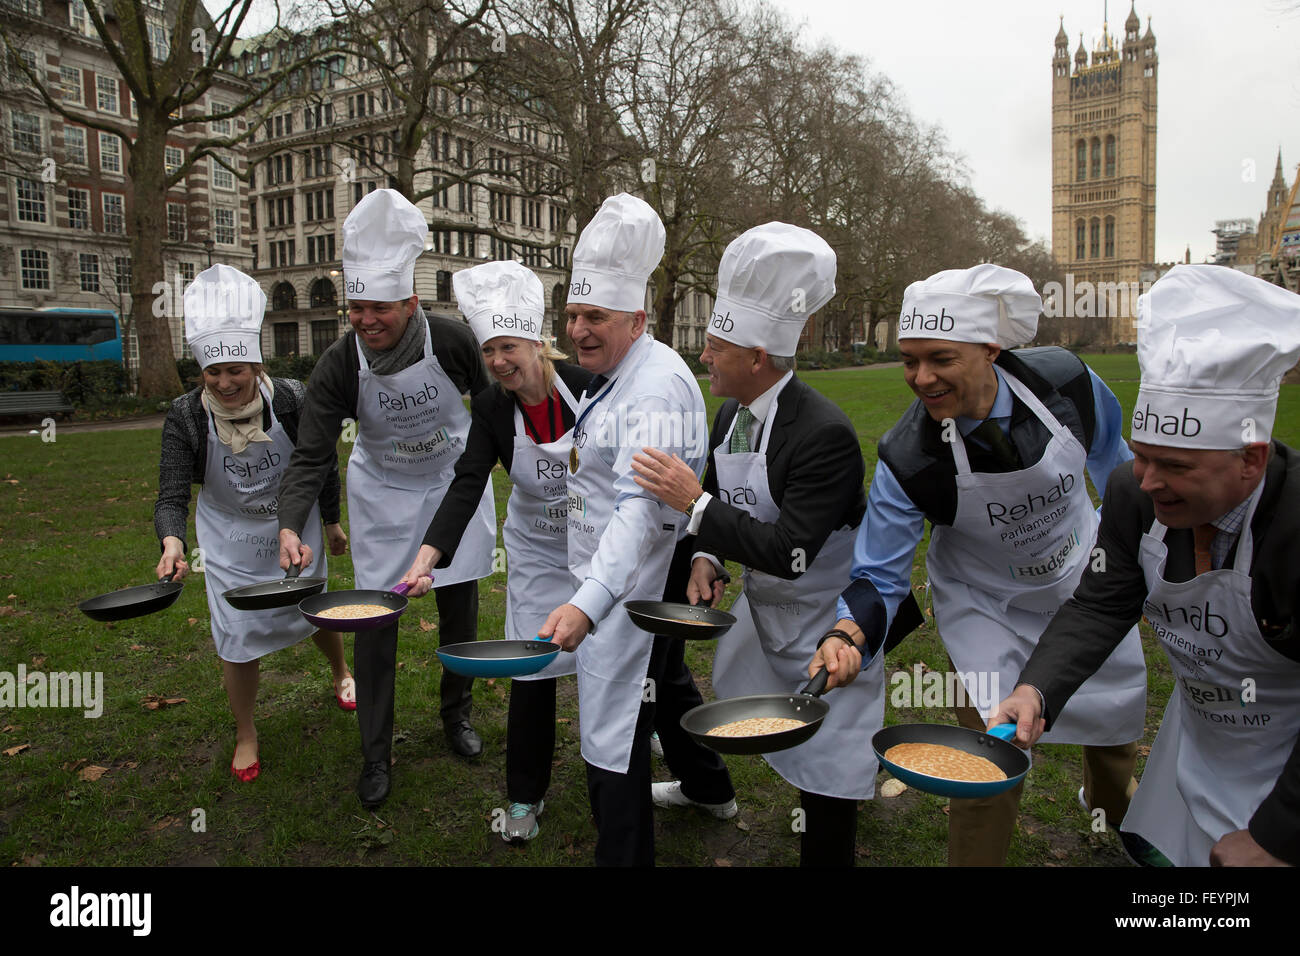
x=992 y=746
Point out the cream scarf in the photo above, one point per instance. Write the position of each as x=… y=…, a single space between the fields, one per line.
x=237 y=427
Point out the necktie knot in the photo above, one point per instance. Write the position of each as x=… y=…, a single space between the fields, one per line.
x=991 y=433
x=596 y=384
x=740 y=434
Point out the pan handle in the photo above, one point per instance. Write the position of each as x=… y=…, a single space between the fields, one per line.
x=293 y=572
x=404 y=587
x=1002 y=731
x=817 y=686
x=167 y=578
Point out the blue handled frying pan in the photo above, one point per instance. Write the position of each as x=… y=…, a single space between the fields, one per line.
x=993 y=746
x=498 y=658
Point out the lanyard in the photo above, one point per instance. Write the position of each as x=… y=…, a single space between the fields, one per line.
x=573 y=451
x=557 y=428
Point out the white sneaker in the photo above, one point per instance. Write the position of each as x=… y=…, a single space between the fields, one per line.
x=521 y=821
x=656 y=747
x=669 y=794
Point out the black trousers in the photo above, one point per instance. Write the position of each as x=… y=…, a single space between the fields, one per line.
x=620 y=802
x=375 y=670
x=530 y=739
x=830 y=830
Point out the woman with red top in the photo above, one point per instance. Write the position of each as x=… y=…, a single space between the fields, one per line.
x=524 y=422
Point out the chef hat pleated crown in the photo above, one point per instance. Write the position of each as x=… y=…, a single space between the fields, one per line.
x=500 y=298
x=982 y=304
x=382 y=237
x=223 y=316
x=616 y=254
x=770 y=280
x=1213 y=345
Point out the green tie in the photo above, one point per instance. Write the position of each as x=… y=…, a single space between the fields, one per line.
x=740 y=434
x=991 y=433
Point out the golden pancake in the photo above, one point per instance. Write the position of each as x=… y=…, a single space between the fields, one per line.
x=344 y=611
x=756 y=727
x=949 y=763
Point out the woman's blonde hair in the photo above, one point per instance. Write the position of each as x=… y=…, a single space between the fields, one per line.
x=549 y=354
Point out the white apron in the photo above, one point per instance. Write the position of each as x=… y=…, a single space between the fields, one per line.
x=536 y=536
x=239 y=531
x=1017 y=547
x=778 y=624
x=614 y=659
x=1218 y=753
x=412 y=428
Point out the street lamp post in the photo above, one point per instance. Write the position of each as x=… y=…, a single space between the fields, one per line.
x=209 y=245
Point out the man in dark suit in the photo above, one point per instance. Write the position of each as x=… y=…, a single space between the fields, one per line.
x=1200 y=537
x=783 y=495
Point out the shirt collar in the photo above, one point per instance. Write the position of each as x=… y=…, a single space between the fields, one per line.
x=762 y=406
x=1002 y=404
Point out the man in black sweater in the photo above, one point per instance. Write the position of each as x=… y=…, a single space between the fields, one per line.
x=400 y=377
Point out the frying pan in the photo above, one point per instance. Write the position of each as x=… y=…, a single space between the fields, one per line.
x=271 y=594
x=498 y=658
x=394 y=600
x=804 y=705
x=132 y=602
x=993 y=746
x=693 y=622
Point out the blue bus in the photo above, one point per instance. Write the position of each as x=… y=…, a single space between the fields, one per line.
x=59 y=335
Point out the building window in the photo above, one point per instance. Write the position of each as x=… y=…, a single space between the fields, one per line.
x=79 y=208
x=173 y=158
x=286 y=338
x=223 y=222
x=1080 y=238
x=31 y=200
x=1110 y=157
x=444 y=285
x=79 y=19
x=222 y=178
x=114 y=213
x=1094 y=239
x=1094 y=168
x=1110 y=237
x=176 y=222
x=110 y=153
x=186 y=271
x=220 y=127
x=323 y=295
x=70 y=81
x=35 y=268
x=74 y=145
x=106 y=90
x=88 y=269
x=26 y=132
x=159 y=48
x=323 y=334
x=122 y=273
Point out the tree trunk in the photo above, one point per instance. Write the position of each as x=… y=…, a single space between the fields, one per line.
x=158 y=378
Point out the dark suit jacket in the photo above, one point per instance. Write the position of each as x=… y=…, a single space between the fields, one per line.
x=815 y=474
x=491 y=440
x=1107 y=603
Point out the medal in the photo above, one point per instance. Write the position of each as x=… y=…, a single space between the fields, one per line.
x=573 y=461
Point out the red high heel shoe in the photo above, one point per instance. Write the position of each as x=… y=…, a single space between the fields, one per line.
x=345 y=685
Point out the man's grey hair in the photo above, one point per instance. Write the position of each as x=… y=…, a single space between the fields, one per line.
x=782 y=363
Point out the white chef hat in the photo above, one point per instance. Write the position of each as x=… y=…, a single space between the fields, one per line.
x=223 y=316
x=501 y=298
x=770 y=280
x=985 y=303
x=1213 y=345
x=382 y=237
x=616 y=255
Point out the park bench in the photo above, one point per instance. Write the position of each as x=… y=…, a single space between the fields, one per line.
x=33 y=403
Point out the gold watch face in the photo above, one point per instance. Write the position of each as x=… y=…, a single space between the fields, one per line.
x=573 y=461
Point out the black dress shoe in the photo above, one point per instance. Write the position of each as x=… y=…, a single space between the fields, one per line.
x=463 y=740
x=374 y=784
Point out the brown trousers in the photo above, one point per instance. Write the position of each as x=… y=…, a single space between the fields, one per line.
x=979 y=831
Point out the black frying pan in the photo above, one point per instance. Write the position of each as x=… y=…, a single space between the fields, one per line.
x=993 y=746
x=693 y=622
x=271 y=594
x=394 y=600
x=132 y=602
x=805 y=706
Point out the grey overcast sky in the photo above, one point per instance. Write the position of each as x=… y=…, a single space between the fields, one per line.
x=1229 y=94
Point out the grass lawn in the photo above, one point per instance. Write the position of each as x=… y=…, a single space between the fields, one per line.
x=152 y=786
